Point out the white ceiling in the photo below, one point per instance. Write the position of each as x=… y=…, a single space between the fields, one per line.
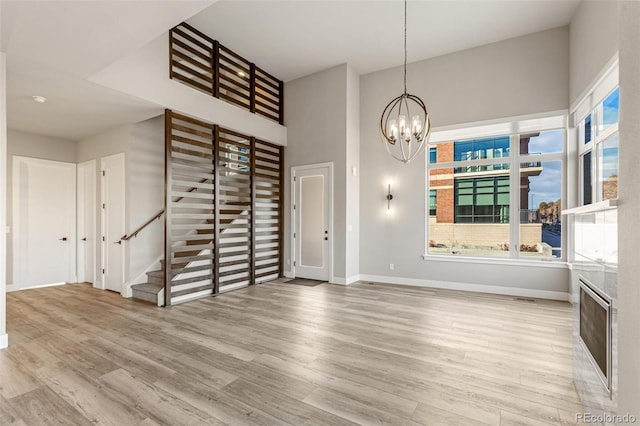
x=53 y=47
x=291 y=39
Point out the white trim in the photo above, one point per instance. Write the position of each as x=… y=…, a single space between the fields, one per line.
x=292 y=216
x=592 y=208
x=289 y=274
x=501 y=126
x=506 y=261
x=345 y=281
x=103 y=218
x=4 y=341
x=35 y=287
x=89 y=167
x=476 y=288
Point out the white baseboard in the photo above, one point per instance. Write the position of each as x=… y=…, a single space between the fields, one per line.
x=289 y=274
x=13 y=288
x=345 y=281
x=98 y=285
x=478 y=288
x=4 y=341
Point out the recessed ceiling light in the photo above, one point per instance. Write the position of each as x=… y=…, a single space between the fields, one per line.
x=39 y=99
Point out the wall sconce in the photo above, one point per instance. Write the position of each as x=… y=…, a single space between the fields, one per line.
x=389 y=198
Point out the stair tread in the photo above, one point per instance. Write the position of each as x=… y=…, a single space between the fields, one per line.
x=158 y=274
x=148 y=288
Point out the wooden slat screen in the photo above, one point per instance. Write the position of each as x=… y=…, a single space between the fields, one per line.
x=189 y=208
x=223 y=205
x=268 y=95
x=206 y=65
x=268 y=211
x=234 y=204
x=235 y=78
x=191 y=56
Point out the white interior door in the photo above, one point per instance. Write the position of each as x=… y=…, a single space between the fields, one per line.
x=113 y=221
x=312 y=234
x=44 y=220
x=86 y=235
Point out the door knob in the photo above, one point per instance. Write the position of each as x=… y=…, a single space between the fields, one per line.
x=84 y=239
x=118 y=242
x=62 y=239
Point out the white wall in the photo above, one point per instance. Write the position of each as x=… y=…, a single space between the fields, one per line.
x=4 y=340
x=525 y=75
x=594 y=38
x=629 y=229
x=34 y=146
x=315 y=112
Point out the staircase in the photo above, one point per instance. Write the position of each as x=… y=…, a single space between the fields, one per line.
x=223 y=213
x=153 y=290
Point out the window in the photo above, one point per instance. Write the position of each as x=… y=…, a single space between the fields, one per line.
x=498 y=196
x=482 y=200
x=598 y=132
x=432 y=202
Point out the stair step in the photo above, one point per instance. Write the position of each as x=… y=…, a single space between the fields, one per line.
x=156 y=277
x=147 y=288
x=149 y=292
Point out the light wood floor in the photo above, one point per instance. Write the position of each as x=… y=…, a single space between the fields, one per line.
x=285 y=354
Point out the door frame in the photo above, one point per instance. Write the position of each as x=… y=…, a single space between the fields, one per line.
x=103 y=221
x=16 y=219
x=86 y=168
x=292 y=253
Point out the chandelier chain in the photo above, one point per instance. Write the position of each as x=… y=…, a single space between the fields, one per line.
x=405 y=47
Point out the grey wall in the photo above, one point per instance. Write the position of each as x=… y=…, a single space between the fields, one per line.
x=34 y=146
x=594 y=39
x=143 y=146
x=3 y=200
x=629 y=229
x=146 y=194
x=352 y=263
x=111 y=142
x=525 y=75
x=315 y=112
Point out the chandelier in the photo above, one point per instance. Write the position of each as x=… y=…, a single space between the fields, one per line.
x=405 y=124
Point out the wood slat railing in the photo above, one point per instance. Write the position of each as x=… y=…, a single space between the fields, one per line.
x=223 y=204
x=204 y=64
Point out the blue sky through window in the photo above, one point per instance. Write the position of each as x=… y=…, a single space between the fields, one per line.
x=548 y=142
x=611 y=108
x=547 y=186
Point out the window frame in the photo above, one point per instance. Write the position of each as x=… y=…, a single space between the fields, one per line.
x=599 y=134
x=513 y=128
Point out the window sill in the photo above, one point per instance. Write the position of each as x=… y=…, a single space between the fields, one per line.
x=592 y=208
x=558 y=264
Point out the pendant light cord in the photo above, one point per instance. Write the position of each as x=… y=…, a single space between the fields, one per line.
x=405 y=47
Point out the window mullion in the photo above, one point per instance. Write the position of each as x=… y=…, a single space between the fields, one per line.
x=514 y=197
